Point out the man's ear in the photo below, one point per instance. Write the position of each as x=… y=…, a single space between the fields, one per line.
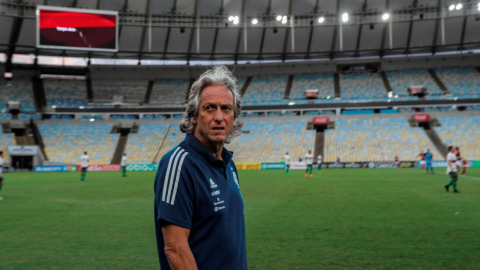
x=194 y=120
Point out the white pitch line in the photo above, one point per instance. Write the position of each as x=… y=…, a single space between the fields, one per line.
x=471 y=177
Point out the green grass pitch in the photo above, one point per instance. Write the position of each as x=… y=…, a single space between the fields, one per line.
x=339 y=219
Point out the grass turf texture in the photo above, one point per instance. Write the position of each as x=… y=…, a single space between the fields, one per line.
x=339 y=219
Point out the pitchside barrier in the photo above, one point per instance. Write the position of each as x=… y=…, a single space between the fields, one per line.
x=255 y=166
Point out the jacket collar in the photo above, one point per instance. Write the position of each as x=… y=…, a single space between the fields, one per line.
x=203 y=151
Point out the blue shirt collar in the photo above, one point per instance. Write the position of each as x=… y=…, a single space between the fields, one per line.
x=197 y=145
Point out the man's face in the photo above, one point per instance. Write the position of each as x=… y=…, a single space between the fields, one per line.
x=215 y=114
x=453 y=150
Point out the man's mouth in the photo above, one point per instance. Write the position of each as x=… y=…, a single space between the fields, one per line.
x=218 y=128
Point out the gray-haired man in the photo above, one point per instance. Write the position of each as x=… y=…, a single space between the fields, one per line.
x=199 y=211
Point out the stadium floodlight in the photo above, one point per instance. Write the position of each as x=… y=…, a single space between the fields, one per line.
x=92 y=119
x=230 y=18
x=385 y=16
x=279 y=17
x=321 y=19
x=284 y=19
x=345 y=17
x=478 y=6
x=451 y=7
x=236 y=19
x=291 y=103
x=459 y=6
x=254 y=21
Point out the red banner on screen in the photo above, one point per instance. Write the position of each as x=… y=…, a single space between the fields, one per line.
x=317 y=120
x=102 y=168
x=77 y=29
x=421 y=117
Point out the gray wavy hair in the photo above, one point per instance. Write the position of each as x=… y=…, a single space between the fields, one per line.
x=217 y=75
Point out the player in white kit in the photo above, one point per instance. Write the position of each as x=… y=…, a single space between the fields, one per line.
x=84 y=163
x=452 y=169
x=124 y=165
x=1 y=171
x=286 y=158
x=319 y=162
x=309 y=162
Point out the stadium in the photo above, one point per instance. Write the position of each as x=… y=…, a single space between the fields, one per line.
x=365 y=85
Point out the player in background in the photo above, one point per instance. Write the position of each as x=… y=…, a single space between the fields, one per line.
x=461 y=162
x=452 y=169
x=309 y=162
x=84 y=159
x=1 y=171
x=422 y=160
x=428 y=160
x=319 y=162
x=286 y=159
x=124 y=165
x=397 y=162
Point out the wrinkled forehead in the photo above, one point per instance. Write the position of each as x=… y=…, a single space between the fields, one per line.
x=218 y=94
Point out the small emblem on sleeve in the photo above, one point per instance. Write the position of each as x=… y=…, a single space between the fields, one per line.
x=212 y=184
x=216 y=192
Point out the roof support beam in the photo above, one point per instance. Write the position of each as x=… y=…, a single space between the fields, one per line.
x=315 y=12
x=124 y=9
x=220 y=12
x=287 y=31
x=335 y=32
x=410 y=27
x=384 y=31
x=462 y=38
x=263 y=31
x=144 y=31
x=359 y=34
x=75 y=3
x=12 y=42
x=435 y=29
x=239 y=36
x=167 y=39
x=192 y=33
x=99 y=4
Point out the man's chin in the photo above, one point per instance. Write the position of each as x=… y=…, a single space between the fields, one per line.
x=217 y=138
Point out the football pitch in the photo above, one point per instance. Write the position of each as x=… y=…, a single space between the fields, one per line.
x=339 y=219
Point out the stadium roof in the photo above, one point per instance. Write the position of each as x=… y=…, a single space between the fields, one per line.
x=416 y=26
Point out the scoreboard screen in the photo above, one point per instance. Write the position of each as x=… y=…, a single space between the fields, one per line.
x=77 y=29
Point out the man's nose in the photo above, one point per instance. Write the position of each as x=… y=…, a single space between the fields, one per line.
x=218 y=116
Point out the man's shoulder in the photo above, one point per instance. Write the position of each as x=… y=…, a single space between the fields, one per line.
x=181 y=153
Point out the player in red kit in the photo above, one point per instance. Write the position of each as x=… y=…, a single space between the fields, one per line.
x=461 y=162
x=423 y=163
x=397 y=162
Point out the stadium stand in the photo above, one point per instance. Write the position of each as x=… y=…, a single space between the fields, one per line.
x=240 y=82
x=133 y=91
x=169 y=91
x=401 y=80
x=21 y=90
x=174 y=138
x=266 y=90
x=28 y=116
x=461 y=131
x=5 y=116
x=378 y=139
x=269 y=141
x=142 y=146
x=6 y=139
x=65 y=93
x=67 y=142
x=305 y=81
x=362 y=87
x=463 y=82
